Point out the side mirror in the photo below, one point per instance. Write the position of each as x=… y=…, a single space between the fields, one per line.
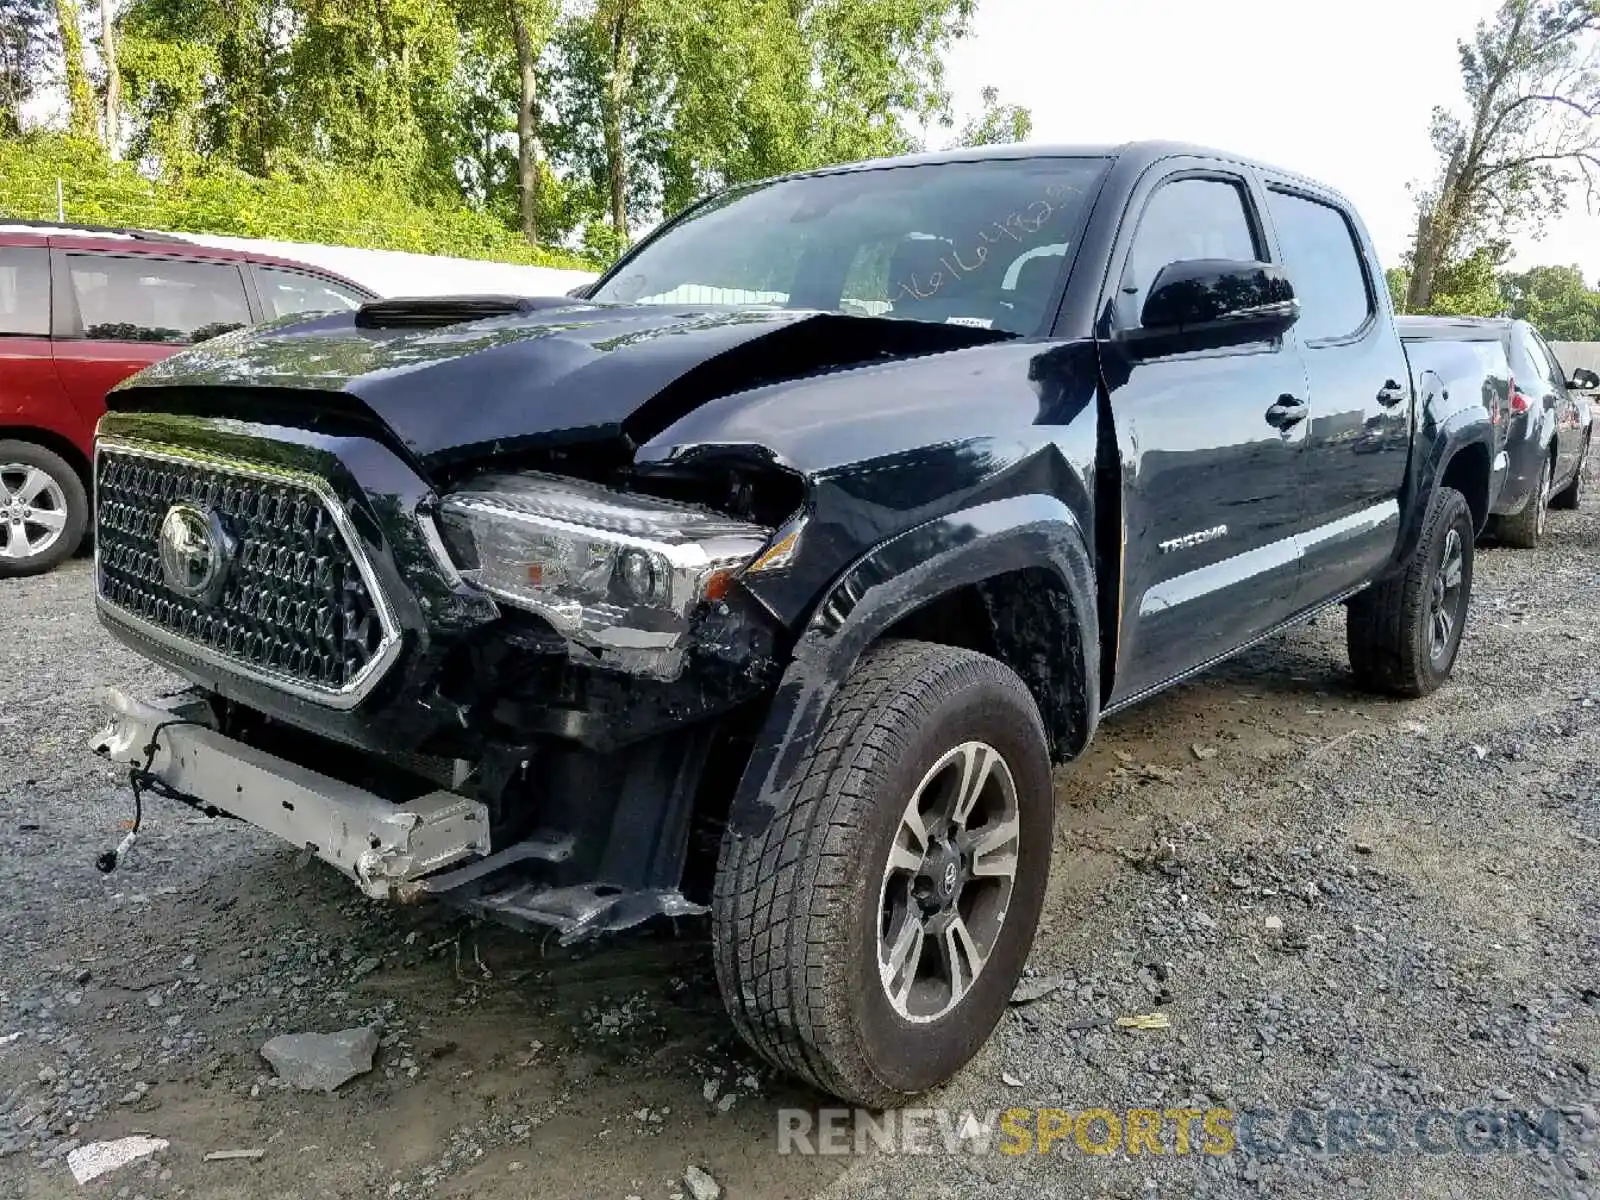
x=581 y=292
x=1584 y=380
x=1206 y=304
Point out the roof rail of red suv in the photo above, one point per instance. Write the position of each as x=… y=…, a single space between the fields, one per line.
x=142 y=235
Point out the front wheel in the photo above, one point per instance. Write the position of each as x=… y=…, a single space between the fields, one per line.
x=869 y=938
x=1404 y=632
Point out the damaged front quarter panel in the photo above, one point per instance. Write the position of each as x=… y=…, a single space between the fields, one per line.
x=997 y=493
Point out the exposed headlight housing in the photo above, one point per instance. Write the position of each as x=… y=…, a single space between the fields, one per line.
x=618 y=574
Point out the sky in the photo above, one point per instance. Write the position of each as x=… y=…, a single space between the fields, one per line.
x=1342 y=92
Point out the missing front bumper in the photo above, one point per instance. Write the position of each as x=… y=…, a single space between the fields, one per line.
x=384 y=847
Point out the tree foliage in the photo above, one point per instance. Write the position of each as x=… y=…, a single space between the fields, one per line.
x=998 y=123
x=27 y=28
x=577 y=122
x=1527 y=135
x=1470 y=286
x=1556 y=300
x=316 y=203
x=80 y=95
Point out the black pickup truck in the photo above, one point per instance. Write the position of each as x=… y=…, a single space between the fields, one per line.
x=770 y=578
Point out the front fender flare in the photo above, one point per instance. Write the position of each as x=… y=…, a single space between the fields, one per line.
x=885 y=585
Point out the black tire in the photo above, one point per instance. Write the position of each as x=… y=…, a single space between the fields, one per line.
x=1392 y=628
x=797 y=909
x=1570 y=497
x=64 y=500
x=1524 y=530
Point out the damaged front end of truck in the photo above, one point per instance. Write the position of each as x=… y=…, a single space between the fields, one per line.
x=444 y=625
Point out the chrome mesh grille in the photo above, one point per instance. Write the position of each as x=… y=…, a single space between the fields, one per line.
x=295 y=607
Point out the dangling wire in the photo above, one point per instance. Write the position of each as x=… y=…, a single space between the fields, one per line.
x=141 y=780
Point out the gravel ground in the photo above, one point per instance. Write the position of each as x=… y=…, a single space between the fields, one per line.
x=1341 y=905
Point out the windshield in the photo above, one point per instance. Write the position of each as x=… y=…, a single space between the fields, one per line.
x=967 y=243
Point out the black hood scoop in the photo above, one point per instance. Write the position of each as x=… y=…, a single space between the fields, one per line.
x=437 y=312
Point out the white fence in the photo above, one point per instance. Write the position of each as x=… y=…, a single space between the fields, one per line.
x=1578 y=354
x=398 y=273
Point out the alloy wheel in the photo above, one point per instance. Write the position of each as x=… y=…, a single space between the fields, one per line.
x=948 y=882
x=1444 y=609
x=1542 y=499
x=33 y=511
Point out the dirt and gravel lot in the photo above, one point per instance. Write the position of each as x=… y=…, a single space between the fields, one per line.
x=1339 y=903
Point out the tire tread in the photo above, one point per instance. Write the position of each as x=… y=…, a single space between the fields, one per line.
x=781 y=975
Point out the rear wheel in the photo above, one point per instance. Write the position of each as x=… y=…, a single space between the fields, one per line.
x=1403 y=633
x=1571 y=496
x=43 y=509
x=1526 y=528
x=869 y=938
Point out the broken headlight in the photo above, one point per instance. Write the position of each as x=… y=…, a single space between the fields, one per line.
x=619 y=574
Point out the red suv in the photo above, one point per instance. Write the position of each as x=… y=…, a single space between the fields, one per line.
x=81 y=309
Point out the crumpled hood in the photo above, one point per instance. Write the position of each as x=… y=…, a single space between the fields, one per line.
x=567 y=372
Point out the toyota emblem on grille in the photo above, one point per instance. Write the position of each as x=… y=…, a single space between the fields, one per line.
x=196 y=553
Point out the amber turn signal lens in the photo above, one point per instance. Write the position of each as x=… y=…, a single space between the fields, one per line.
x=779 y=554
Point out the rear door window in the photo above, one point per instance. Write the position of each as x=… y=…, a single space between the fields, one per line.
x=285 y=292
x=145 y=299
x=1324 y=265
x=24 y=291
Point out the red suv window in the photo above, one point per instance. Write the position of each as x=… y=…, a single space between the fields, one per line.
x=148 y=299
x=25 y=291
x=285 y=292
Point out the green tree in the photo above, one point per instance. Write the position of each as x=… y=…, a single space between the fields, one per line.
x=1470 y=286
x=998 y=123
x=1557 y=300
x=24 y=45
x=1531 y=82
x=320 y=204
x=560 y=119
x=1399 y=281
x=531 y=25
x=81 y=117
x=661 y=101
x=111 y=81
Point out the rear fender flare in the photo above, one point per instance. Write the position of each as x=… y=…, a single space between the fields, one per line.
x=1439 y=442
x=888 y=583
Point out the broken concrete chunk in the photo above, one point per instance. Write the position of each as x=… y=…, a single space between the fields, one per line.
x=95 y=1159
x=322 y=1061
x=701 y=1186
x=1031 y=990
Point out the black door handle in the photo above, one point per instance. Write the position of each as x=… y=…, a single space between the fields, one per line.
x=1391 y=393
x=1287 y=412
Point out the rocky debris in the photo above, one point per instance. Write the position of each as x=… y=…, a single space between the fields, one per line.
x=1452 y=962
x=1030 y=991
x=99 y=1158
x=322 y=1062
x=701 y=1186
